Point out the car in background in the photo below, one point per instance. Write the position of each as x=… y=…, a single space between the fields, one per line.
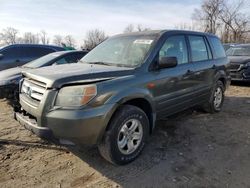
x=20 y=54
x=239 y=57
x=228 y=45
x=9 y=79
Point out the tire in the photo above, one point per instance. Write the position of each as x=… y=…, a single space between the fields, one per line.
x=113 y=146
x=216 y=99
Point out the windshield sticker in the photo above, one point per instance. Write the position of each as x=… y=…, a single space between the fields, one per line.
x=143 y=41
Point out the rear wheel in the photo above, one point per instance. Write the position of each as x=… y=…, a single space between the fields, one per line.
x=216 y=99
x=126 y=136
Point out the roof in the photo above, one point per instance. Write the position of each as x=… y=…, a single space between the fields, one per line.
x=69 y=52
x=161 y=32
x=247 y=45
x=37 y=45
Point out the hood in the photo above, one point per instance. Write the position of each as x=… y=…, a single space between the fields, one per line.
x=10 y=73
x=239 y=59
x=57 y=76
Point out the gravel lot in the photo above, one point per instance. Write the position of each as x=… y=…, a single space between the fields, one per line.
x=192 y=149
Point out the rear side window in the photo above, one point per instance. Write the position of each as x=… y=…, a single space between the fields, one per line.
x=219 y=51
x=199 y=49
x=11 y=52
x=39 y=51
x=24 y=52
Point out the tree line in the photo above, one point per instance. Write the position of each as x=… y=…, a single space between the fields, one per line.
x=93 y=37
x=224 y=18
x=11 y=35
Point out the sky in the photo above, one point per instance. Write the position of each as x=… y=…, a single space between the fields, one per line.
x=76 y=17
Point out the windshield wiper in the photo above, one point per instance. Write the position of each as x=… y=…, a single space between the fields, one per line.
x=102 y=63
x=107 y=64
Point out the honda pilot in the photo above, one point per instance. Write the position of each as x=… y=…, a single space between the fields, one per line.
x=113 y=97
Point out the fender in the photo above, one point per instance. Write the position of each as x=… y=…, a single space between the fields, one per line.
x=222 y=74
x=124 y=96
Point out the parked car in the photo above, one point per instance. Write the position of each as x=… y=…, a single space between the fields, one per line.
x=228 y=45
x=114 y=97
x=9 y=79
x=19 y=54
x=239 y=66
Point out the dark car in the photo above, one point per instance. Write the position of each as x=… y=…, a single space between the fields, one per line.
x=19 y=54
x=239 y=57
x=9 y=79
x=114 y=97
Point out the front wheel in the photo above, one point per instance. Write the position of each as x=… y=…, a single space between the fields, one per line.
x=126 y=135
x=216 y=100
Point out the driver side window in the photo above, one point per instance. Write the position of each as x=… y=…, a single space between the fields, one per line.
x=175 y=46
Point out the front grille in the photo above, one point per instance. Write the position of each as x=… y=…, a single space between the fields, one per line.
x=33 y=89
x=234 y=67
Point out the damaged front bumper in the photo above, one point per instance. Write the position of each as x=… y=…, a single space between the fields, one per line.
x=242 y=74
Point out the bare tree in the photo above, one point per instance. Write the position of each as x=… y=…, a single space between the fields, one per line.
x=224 y=18
x=93 y=38
x=130 y=28
x=9 y=36
x=69 y=41
x=235 y=23
x=187 y=26
x=139 y=28
x=30 y=38
x=135 y=28
x=44 y=37
x=208 y=15
x=58 y=40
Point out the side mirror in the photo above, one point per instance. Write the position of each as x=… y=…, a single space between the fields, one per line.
x=167 y=62
x=1 y=56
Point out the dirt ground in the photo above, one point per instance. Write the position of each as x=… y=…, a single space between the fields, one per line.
x=192 y=149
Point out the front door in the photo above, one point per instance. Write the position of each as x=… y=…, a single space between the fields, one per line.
x=173 y=86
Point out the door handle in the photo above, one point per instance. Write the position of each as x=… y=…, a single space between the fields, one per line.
x=187 y=74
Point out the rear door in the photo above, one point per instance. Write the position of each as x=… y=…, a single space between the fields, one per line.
x=201 y=58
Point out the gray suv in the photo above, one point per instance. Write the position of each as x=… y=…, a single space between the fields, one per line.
x=114 y=96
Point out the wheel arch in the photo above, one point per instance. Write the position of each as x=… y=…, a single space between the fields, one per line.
x=140 y=102
x=222 y=76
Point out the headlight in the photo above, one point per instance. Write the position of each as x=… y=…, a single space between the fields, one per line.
x=76 y=95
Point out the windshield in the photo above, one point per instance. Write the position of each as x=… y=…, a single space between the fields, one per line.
x=42 y=60
x=239 y=51
x=128 y=51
